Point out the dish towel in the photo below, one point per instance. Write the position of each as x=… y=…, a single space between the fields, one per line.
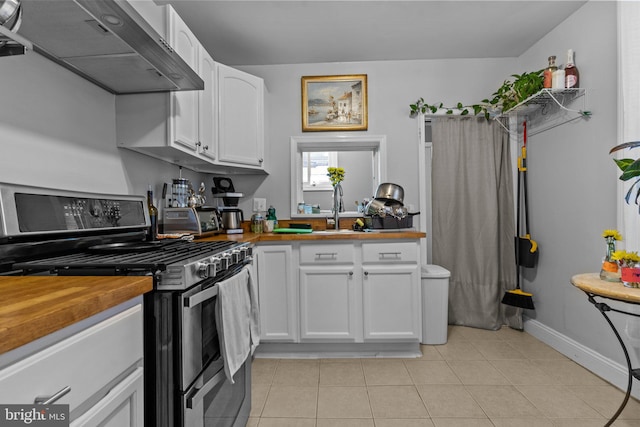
x=233 y=321
x=255 y=311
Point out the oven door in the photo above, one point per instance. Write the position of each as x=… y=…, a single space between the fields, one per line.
x=213 y=401
x=199 y=344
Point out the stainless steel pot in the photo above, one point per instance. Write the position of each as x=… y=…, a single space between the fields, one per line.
x=390 y=191
x=375 y=207
x=232 y=218
x=10 y=14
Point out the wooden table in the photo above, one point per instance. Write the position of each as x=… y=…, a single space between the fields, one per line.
x=594 y=287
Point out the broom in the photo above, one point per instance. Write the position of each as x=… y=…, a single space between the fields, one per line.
x=517 y=297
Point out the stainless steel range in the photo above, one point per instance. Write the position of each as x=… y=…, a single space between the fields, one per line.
x=45 y=231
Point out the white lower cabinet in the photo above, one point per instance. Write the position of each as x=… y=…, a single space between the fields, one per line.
x=277 y=293
x=349 y=292
x=391 y=302
x=122 y=407
x=328 y=303
x=98 y=372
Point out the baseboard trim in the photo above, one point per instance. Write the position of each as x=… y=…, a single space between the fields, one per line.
x=613 y=372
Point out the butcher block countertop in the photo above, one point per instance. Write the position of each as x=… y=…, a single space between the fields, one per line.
x=318 y=235
x=35 y=306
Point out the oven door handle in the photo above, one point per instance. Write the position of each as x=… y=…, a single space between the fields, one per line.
x=201 y=296
x=199 y=393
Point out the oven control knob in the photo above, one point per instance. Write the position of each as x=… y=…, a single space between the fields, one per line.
x=202 y=270
x=246 y=252
x=214 y=266
x=236 y=256
x=225 y=261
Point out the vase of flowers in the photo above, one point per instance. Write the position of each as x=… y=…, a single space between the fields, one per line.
x=629 y=267
x=610 y=270
x=336 y=176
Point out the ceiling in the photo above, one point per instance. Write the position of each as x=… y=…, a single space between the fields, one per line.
x=240 y=32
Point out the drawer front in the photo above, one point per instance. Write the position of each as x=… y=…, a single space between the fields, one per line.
x=390 y=252
x=327 y=253
x=85 y=362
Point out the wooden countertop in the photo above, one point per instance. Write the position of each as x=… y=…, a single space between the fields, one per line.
x=35 y=306
x=317 y=236
x=591 y=282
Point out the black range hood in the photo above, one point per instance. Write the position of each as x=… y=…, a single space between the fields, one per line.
x=108 y=43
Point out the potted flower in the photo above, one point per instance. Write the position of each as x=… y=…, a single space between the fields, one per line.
x=610 y=270
x=630 y=272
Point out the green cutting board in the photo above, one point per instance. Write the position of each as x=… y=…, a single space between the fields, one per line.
x=293 y=230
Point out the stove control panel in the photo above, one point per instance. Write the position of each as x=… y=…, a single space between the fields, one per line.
x=27 y=210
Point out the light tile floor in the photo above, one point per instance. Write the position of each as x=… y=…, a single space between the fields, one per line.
x=479 y=378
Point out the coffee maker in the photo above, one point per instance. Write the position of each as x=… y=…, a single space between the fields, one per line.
x=231 y=216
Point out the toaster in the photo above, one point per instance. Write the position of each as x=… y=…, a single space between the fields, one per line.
x=200 y=221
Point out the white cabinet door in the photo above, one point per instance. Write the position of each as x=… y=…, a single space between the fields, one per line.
x=123 y=406
x=207 y=120
x=328 y=303
x=391 y=302
x=183 y=122
x=277 y=293
x=240 y=118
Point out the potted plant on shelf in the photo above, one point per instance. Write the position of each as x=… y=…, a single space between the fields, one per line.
x=503 y=99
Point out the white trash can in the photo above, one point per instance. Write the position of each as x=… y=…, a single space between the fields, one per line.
x=435 y=304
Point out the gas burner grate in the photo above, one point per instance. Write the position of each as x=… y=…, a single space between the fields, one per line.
x=151 y=261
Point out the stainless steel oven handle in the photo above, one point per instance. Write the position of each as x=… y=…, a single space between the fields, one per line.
x=200 y=297
x=201 y=392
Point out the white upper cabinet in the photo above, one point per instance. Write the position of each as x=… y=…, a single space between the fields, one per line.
x=240 y=118
x=184 y=128
x=184 y=108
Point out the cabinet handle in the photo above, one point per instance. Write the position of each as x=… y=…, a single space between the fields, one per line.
x=326 y=255
x=260 y=160
x=48 y=400
x=205 y=148
x=366 y=273
x=384 y=255
x=351 y=273
x=198 y=144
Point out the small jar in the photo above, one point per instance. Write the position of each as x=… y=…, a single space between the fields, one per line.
x=257 y=223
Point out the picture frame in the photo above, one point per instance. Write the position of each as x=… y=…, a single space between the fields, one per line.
x=334 y=103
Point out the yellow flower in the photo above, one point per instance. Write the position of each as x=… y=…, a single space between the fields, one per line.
x=627 y=259
x=615 y=234
x=336 y=175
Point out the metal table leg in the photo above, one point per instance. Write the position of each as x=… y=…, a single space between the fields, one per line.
x=633 y=373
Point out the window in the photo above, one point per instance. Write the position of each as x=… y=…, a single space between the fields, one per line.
x=314 y=169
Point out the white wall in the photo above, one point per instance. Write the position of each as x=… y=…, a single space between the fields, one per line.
x=572 y=182
x=392 y=86
x=58 y=130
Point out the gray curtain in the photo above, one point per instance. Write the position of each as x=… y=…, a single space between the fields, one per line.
x=473 y=220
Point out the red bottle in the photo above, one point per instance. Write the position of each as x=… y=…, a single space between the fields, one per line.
x=571 y=76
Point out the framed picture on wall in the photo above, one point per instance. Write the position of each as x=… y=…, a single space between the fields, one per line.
x=331 y=103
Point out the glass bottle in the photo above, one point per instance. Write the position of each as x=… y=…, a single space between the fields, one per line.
x=610 y=270
x=571 y=75
x=548 y=72
x=153 y=217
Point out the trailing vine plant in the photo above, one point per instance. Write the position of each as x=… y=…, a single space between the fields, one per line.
x=503 y=99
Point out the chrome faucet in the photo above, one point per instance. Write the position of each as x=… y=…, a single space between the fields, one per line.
x=337 y=204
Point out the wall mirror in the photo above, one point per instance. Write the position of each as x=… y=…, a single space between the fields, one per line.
x=362 y=157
